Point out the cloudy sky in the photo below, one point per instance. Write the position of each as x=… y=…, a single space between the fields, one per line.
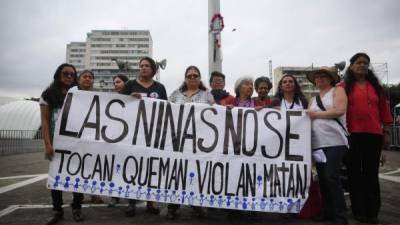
x=34 y=35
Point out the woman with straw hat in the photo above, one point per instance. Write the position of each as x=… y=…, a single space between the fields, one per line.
x=329 y=142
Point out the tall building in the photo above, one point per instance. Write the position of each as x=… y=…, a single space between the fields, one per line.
x=76 y=55
x=103 y=47
x=300 y=73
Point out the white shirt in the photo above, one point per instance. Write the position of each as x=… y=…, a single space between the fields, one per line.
x=327 y=132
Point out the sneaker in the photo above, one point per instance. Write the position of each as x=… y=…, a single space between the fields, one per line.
x=131 y=210
x=77 y=215
x=57 y=216
x=172 y=214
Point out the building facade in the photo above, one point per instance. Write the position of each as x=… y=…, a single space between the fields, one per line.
x=104 y=47
x=300 y=73
x=76 y=52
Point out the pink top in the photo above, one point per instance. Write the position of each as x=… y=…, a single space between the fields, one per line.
x=365 y=110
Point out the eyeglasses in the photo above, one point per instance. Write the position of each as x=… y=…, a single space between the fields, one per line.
x=192 y=76
x=68 y=74
x=218 y=80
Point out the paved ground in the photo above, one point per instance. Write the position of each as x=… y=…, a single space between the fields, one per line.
x=25 y=199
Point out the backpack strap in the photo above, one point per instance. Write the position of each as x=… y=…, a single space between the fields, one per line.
x=322 y=107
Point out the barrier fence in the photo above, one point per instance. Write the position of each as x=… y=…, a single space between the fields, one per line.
x=20 y=141
x=395 y=144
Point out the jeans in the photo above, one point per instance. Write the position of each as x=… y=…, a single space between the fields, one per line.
x=333 y=202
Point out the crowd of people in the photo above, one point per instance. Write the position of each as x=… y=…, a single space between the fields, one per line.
x=349 y=119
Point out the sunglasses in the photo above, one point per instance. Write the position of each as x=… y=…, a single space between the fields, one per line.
x=192 y=76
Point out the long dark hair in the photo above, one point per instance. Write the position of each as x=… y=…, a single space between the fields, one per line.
x=53 y=94
x=298 y=94
x=350 y=78
x=153 y=64
x=183 y=86
x=121 y=76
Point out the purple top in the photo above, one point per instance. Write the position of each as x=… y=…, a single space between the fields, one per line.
x=249 y=103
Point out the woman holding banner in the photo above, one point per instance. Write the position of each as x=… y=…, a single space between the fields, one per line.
x=367 y=114
x=329 y=142
x=51 y=102
x=119 y=84
x=289 y=95
x=192 y=90
x=244 y=91
x=262 y=86
x=144 y=86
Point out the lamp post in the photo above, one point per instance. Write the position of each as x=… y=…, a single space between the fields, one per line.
x=216 y=24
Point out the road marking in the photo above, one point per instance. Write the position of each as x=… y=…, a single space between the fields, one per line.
x=22 y=183
x=392 y=172
x=388 y=176
x=21 y=176
x=12 y=208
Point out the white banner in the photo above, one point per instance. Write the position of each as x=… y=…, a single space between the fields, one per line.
x=192 y=154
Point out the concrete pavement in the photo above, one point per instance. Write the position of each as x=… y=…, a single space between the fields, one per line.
x=26 y=200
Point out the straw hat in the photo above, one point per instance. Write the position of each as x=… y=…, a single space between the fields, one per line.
x=324 y=70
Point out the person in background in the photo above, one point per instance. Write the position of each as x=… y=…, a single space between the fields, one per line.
x=86 y=80
x=328 y=137
x=145 y=86
x=119 y=84
x=192 y=90
x=289 y=95
x=243 y=91
x=51 y=101
x=85 y=83
x=217 y=84
x=368 y=119
x=262 y=86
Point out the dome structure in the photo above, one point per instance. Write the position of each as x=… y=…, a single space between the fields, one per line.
x=21 y=115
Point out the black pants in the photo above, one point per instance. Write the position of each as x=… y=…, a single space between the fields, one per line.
x=363 y=168
x=56 y=195
x=333 y=202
